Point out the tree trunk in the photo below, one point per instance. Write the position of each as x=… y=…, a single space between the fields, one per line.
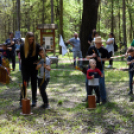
x=61 y=23
x=119 y=26
x=89 y=20
x=52 y=13
x=18 y=14
x=124 y=25
x=112 y=18
x=131 y=21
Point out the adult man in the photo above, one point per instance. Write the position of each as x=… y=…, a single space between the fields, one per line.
x=11 y=43
x=100 y=54
x=75 y=43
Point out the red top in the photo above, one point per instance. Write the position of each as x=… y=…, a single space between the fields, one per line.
x=96 y=72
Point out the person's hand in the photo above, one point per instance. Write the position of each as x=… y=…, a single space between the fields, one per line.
x=94 y=55
x=10 y=48
x=99 y=59
x=92 y=76
x=39 y=65
x=44 y=65
x=132 y=61
x=12 y=42
x=102 y=75
x=126 y=54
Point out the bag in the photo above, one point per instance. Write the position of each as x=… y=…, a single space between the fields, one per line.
x=115 y=47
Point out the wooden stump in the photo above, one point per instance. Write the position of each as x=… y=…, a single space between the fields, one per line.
x=26 y=108
x=4 y=78
x=91 y=102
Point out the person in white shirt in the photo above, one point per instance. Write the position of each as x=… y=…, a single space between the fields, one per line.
x=110 y=48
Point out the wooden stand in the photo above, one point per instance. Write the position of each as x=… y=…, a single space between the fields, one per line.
x=26 y=108
x=4 y=78
x=91 y=102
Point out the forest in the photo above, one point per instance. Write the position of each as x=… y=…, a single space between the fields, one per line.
x=68 y=110
x=111 y=16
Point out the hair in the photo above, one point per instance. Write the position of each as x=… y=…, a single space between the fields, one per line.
x=130 y=50
x=91 y=60
x=27 y=45
x=10 y=33
x=94 y=33
x=41 y=49
x=112 y=34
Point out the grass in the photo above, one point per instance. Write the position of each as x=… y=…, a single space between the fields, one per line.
x=71 y=116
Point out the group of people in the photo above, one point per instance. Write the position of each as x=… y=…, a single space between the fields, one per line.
x=97 y=55
x=100 y=54
x=95 y=78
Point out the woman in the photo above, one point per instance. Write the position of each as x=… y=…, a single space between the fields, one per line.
x=110 y=48
x=29 y=55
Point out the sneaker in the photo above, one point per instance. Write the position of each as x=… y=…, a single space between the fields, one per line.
x=98 y=101
x=45 y=106
x=104 y=102
x=33 y=104
x=20 y=105
x=85 y=100
x=130 y=93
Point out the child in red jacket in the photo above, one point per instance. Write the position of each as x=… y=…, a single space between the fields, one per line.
x=93 y=75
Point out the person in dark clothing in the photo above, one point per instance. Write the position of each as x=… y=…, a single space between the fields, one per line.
x=130 y=62
x=100 y=54
x=11 y=43
x=29 y=55
x=90 y=38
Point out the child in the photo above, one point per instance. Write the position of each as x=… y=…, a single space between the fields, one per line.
x=42 y=83
x=93 y=79
x=130 y=62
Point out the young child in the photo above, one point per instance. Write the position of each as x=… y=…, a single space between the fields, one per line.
x=42 y=83
x=93 y=75
x=130 y=62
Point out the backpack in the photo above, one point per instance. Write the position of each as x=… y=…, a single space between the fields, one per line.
x=115 y=47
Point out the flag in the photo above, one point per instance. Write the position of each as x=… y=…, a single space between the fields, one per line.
x=61 y=43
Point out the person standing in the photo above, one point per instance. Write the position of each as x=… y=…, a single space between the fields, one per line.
x=110 y=49
x=130 y=62
x=75 y=43
x=42 y=83
x=29 y=55
x=100 y=54
x=11 y=43
x=91 y=37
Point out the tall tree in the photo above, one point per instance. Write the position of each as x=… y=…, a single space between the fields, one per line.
x=124 y=24
x=89 y=20
x=61 y=21
x=112 y=18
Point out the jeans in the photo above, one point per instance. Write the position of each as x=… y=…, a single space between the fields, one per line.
x=79 y=55
x=102 y=87
x=43 y=89
x=131 y=74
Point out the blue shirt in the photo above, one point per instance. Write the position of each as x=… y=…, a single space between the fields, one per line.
x=76 y=43
x=131 y=66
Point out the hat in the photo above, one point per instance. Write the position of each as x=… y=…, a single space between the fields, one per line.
x=99 y=40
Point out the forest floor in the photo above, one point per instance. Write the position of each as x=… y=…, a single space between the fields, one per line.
x=68 y=114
